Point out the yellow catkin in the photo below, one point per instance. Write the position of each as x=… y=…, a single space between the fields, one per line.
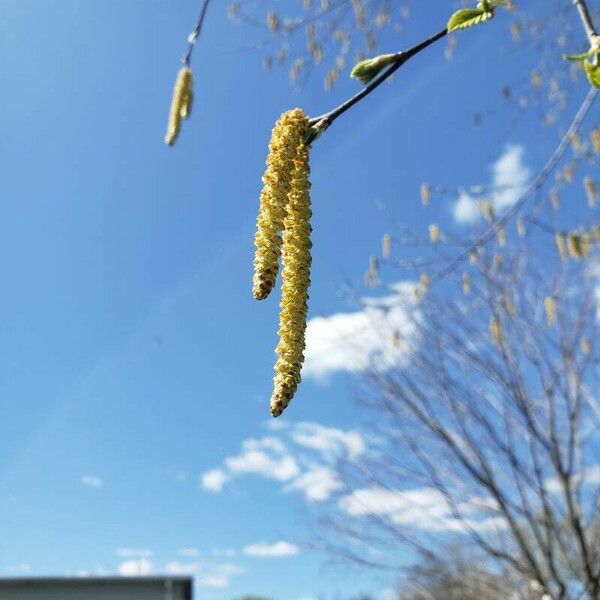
x=181 y=104
x=575 y=246
x=386 y=245
x=550 y=306
x=595 y=139
x=585 y=345
x=466 y=284
x=501 y=237
x=509 y=307
x=295 y=277
x=425 y=194
x=434 y=233
x=374 y=268
x=288 y=133
x=554 y=200
x=496 y=330
x=591 y=191
x=586 y=243
x=561 y=246
x=473 y=257
x=521 y=229
x=487 y=210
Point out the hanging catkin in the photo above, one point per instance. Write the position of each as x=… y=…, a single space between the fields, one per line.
x=181 y=104
x=288 y=133
x=295 y=283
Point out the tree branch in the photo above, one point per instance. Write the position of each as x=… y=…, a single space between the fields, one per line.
x=586 y=19
x=193 y=37
x=322 y=122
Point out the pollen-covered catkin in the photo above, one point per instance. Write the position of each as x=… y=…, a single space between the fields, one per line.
x=287 y=135
x=496 y=330
x=181 y=104
x=296 y=260
x=550 y=307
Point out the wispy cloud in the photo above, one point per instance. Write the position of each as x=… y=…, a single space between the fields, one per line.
x=317 y=483
x=301 y=458
x=136 y=568
x=509 y=178
x=207 y=575
x=423 y=508
x=92 y=481
x=279 y=549
x=133 y=552
x=267 y=456
x=329 y=441
x=224 y=552
x=189 y=552
x=379 y=334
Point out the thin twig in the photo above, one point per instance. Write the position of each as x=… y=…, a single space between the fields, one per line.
x=193 y=37
x=586 y=19
x=533 y=187
x=322 y=122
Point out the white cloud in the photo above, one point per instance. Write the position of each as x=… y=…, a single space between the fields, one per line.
x=317 y=484
x=591 y=477
x=133 y=552
x=93 y=481
x=214 y=480
x=423 y=508
x=140 y=567
x=22 y=568
x=213 y=581
x=329 y=441
x=224 y=552
x=267 y=456
x=277 y=550
x=188 y=552
x=176 y=567
x=302 y=458
x=355 y=341
x=208 y=575
x=509 y=179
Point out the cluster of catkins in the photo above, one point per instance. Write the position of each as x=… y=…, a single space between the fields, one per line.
x=283 y=229
x=181 y=105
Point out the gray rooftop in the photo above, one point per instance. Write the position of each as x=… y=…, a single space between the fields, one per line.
x=96 y=588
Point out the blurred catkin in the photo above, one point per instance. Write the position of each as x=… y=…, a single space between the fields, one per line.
x=466 y=284
x=550 y=306
x=287 y=135
x=561 y=246
x=434 y=233
x=425 y=194
x=585 y=345
x=591 y=191
x=181 y=104
x=595 y=138
x=575 y=246
x=496 y=330
x=296 y=259
x=386 y=245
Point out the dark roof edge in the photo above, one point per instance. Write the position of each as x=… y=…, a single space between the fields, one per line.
x=185 y=579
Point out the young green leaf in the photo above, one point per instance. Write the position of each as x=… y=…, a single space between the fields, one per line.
x=367 y=69
x=469 y=17
x=592 y=70
x=580 y=57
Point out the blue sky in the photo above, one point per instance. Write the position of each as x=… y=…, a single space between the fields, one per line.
x=134 y=358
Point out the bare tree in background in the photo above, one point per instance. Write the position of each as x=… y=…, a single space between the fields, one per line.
x=457 y=577
x=487 y=426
